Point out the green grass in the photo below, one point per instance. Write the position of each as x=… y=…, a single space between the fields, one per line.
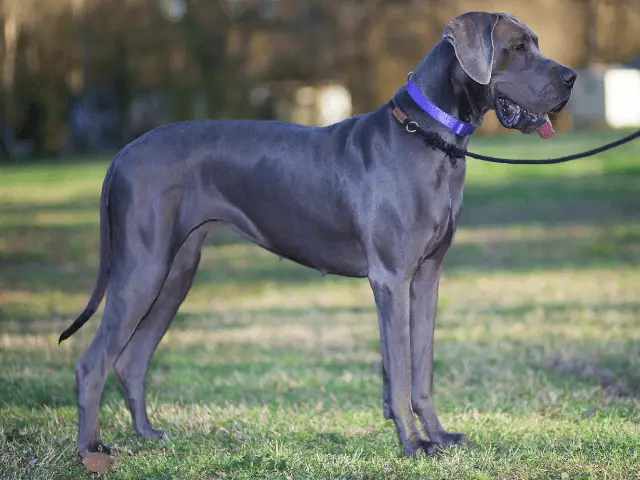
x=271 y=371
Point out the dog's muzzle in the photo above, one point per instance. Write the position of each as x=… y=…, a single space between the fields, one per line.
x=512 y=115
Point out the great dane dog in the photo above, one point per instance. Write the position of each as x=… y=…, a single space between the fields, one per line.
x=360 y=198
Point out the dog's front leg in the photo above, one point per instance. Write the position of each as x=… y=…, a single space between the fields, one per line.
x=392 y=302
x=424 y=302
x=386 y=406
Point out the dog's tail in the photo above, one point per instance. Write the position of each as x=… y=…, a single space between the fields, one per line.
x=105 y=261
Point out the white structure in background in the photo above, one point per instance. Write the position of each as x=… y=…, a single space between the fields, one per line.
x=321 y=105
x=334 y=104
x=622 y=97
x=607 y=97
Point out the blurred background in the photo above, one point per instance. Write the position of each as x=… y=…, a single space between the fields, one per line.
x=87 y=76
x=271 y=370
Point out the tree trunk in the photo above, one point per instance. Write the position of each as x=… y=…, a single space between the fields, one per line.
x=207 y=46
x=11 y=28
x=593 y=53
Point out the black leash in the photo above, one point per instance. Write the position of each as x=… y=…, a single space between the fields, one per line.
x=434 y=140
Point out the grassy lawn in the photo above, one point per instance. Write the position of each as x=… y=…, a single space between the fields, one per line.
x=271 y=371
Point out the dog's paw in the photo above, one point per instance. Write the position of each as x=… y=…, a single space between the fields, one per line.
x=432 y=449
x=419 y=447
x=426 y=448
x=448 y=439
x=97 y=447
x=413 y=451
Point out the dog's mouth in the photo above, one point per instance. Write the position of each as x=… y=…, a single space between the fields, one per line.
x=512 y=115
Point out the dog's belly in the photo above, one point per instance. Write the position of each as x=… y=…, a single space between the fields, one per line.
x=292 y=205
x=315 y=232
x=340 y=255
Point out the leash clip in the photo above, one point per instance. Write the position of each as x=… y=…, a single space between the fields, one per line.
x=412 y=127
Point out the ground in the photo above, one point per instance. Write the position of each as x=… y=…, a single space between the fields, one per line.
x=272 y=371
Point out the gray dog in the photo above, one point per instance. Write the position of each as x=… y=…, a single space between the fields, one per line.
x=361 y=198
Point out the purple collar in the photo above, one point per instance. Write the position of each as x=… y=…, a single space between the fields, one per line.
x=456 y=126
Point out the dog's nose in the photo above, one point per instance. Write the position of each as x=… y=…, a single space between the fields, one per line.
x=569 y=77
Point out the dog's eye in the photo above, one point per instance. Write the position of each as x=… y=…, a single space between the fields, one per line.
x=520 y=47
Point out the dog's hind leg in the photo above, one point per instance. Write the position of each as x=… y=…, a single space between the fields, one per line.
x=133 y=363
x=127 y=302
x=143 y=251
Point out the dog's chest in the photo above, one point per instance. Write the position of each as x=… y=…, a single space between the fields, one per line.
x=440 y=200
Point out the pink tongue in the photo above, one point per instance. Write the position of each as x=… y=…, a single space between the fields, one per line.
x=546 y=131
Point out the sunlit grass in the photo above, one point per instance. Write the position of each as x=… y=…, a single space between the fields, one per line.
x=272 y=371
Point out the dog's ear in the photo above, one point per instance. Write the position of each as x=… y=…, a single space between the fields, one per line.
x=471 y=35
x=508 y=15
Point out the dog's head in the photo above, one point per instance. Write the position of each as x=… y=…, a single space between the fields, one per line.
x=501 y=55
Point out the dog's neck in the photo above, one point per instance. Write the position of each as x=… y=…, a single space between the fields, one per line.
x=443 y=81
x=473 y=98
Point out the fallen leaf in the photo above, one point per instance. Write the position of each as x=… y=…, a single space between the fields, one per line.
x=97 y=462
